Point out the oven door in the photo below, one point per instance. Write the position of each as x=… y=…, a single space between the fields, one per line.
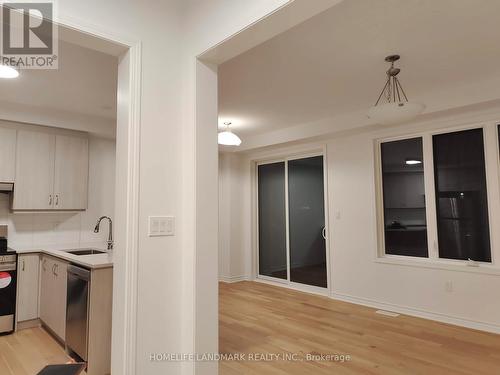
x=8 y=278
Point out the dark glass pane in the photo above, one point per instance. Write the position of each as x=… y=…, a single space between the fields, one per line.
x=404 y=198
x=272 y=224
x=306 y=204
x=461 y=199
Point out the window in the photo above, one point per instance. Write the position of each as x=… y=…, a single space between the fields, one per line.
x=461 y=196
x=405 y=227
x=446 y=206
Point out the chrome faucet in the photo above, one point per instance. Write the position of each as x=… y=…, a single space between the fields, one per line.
x=110 y=236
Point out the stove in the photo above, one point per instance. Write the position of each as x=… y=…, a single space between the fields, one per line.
x=8 y=284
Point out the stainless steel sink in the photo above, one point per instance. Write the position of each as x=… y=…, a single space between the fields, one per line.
x=85 y=252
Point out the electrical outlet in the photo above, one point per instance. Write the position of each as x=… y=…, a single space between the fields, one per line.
x=448 y=287
x=161 y=226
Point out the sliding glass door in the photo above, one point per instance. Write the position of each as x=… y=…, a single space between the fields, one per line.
x=306 y=209
x=272 y=220
x=292 y=234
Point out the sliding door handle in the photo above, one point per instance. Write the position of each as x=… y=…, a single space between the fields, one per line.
x=323 y=233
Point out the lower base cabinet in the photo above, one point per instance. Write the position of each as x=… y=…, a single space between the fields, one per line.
x=53 y=289
x=28 y=266
x=100 y=313
x=42 y=294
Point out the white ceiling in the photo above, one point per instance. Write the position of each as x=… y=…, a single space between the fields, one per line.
x=333 y=65
x=85 y=82
x=84 y=86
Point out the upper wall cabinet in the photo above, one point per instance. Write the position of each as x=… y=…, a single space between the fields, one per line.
x=7 y=155
x=34 y=185
x=71 y=173
x=51 y=172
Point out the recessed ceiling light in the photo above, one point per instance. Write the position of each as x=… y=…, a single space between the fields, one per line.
x=8 y=72
x=413 y=161
x=228 y=138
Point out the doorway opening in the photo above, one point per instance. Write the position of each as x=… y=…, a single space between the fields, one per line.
x=77 y=129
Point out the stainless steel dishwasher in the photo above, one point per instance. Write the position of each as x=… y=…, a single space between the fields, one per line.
x=77 y=311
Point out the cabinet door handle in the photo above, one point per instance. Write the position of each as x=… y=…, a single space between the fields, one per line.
x=43 y=264
x=24 y=264
x=57 y=199
x=50 y=200
x=54 y=270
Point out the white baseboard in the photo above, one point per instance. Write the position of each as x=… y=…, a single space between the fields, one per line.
x=28 y=324
x=443 y=318
x=233 y=279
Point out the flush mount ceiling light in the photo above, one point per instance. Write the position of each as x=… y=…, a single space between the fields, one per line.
x=392 y=105
x=413 y=161
x=228 y=138
x=8 y=71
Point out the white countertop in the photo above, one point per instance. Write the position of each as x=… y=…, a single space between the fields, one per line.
x=90 y=261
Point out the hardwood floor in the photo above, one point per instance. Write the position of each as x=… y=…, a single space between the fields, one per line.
x=259 y=318
x=27 y=351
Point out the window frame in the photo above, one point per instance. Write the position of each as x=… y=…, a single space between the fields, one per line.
x=381 y=217
x=493 y=192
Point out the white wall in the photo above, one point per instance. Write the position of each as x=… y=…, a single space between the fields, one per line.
x=207 y=24
x=66 y=230
x=171 y=33
x=355 y=274
x=156 y=26
x=98 y=126
x=225 y=217
x=234 y=225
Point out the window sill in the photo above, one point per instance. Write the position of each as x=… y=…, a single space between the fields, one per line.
x=460 y=266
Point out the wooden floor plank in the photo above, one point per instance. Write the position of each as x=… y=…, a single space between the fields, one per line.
x=257 y=317
x=27 y=351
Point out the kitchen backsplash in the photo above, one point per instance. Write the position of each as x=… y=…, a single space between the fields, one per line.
x=34 y=230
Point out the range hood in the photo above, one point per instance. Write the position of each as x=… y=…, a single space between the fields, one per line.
x=6 y=187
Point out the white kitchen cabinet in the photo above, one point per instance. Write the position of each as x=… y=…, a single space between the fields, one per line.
x=53 y=301
x=51 y=172
x=60 y=291
x=27 y=287
x=46 y=294
x=71 y=173
x=53 y=295
x=34 y=184
x=7 y=154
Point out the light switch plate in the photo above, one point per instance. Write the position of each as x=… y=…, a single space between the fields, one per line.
x=161 y=226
